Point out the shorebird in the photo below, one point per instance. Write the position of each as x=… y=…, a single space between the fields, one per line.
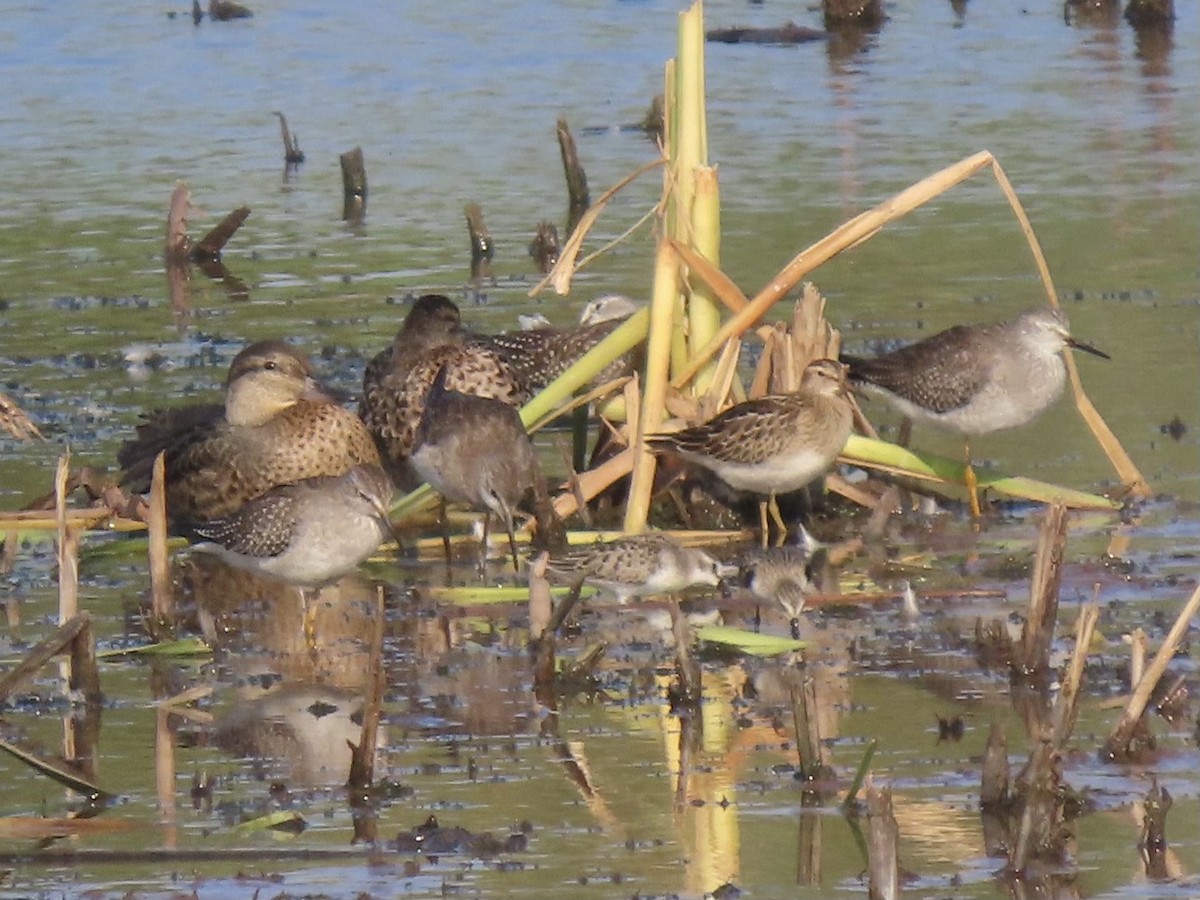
x=781 y=575
x=510 y=367
x=307 y=533
x=475 y=450
x=277 y=425
x=976 y=379
x=637 y=566
x=773 y=444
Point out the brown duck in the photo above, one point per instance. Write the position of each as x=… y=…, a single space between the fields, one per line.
x=277 y=426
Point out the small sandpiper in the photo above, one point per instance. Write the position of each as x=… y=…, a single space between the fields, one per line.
x=781 y=575
x=277 y=425
x=773 y=444
x=975 y=379
x=509 y=367
x=307 y=533
x=475 y=450
x=637 y=566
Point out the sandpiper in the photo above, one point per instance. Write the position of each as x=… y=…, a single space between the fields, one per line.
x=277 y=425
x=307 y=533
x=475 y=450
x=398 y=378
x=637 y=566
x=773 y=444
x=543 y=353
x=509 y=367
x=781 y=575
x=975 y=379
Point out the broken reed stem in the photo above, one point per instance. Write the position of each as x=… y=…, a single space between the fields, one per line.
x=808 y=732
x=1137 y=656
x=883 y=838
x=362 y=757
x=658 y=341
x=1041 y=811
x=161 y=599
x=1038 y=632
x=860 y=775
x=1066 y=705
x=481 y=242
x=41 y=653
x=1118 y=739
x=1153 y=843
x=685 y=663
x=993 y=790
x=578 y=198
x=354 y=185
x=85 y=673
x=67 y=544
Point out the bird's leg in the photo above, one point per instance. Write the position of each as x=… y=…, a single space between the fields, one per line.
x=512 y=545
x=904 y=435
x=308 y=611
x=445 y=531
x=778 y=517
x=970 y=480
x=762 y=522
x=483 y=549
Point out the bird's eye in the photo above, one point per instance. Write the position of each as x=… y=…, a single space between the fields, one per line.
x=270 y=365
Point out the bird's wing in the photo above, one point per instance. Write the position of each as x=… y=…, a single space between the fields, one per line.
x=262 y=528
x=749 y=432
x=941 y=373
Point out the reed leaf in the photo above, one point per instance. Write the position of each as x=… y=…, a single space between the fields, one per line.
x=484 y=594
x=896 y=460
x=749 y=642
x=54 y=771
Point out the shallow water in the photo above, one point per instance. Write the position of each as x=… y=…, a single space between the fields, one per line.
x=102 y=112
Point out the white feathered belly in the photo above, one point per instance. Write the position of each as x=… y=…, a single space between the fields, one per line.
x=1008 y=401
x=779 y=474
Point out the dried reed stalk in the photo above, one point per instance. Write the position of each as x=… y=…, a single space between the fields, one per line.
x=67 y=545
x=1066 y=705
x=161 y=599
x=1118 y=740
x=16 y=421
x=883 y=838
x=1038 y=632
x=662 y=313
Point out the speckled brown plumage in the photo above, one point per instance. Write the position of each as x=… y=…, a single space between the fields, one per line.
x=277 y=426
x=636 y=566
x=773 y=444
x=509 y=367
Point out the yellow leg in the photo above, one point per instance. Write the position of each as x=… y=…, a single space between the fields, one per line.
x=971 y=481
x=778 y=517
x=762 y=522
x=308 y=609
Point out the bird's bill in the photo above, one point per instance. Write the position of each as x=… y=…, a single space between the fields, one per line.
x=1086 y=348
x=321 y=393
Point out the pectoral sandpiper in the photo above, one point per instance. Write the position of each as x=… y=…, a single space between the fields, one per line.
x=773 y=444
